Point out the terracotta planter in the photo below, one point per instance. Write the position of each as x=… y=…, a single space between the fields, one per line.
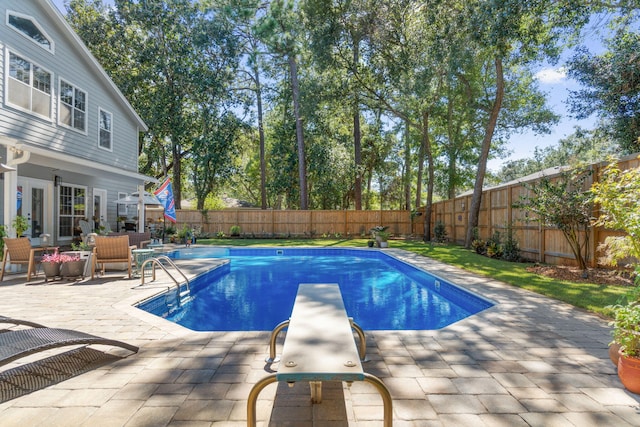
x=51 y=270
x=629 y=372
x=613 y=353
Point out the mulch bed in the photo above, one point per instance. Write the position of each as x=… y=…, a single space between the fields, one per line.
x=600 y=276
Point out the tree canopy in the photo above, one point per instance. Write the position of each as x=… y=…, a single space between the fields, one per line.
x=344 y=104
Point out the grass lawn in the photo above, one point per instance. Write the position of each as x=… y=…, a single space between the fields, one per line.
x=590 y=296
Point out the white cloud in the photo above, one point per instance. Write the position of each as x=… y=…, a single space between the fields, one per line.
x=551 y=75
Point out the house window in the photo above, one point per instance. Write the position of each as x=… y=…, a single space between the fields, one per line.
x=28 y=86
x=73 y=107
x=105 y=128
x=29 y=28
x=72 y=209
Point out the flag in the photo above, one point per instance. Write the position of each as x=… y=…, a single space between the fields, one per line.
x=165 y=195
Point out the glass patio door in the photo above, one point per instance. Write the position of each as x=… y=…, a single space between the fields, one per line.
x=34 y=205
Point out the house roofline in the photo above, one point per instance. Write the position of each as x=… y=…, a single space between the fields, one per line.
x=94 y=62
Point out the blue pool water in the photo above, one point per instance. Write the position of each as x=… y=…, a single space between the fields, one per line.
x=255 y=291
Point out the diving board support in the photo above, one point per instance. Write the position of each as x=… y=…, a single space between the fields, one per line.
x=319 y=346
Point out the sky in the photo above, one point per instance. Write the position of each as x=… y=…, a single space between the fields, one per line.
x=554 y=82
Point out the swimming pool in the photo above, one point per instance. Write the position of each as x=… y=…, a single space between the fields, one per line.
x=255 y=291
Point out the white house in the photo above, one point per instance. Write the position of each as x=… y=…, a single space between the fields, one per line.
x=65 y=127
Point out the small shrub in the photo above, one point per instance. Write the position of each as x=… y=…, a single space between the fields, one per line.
x=511 y=248
x=220 y=235
x=234 y=230
x=440 y=232
x=494 y=245
x=480 y=246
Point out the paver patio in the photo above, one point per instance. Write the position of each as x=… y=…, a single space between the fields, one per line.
x=527 y=361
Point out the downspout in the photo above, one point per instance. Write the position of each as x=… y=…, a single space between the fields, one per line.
x=15 y=157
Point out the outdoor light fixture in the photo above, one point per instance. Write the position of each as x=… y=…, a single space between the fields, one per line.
x=57 y=180
x=45 y=240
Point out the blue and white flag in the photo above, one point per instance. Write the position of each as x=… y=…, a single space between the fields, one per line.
x=165 y=195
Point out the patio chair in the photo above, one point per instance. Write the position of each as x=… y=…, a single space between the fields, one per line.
x=111 y=250
x=86 y=229
x=19 y=251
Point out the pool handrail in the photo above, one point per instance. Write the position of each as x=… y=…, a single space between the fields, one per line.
x=156 y=261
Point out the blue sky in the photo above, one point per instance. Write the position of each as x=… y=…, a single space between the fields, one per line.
x=554 y=82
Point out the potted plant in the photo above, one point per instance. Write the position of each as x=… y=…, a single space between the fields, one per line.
x=380 y=235
x=20 y=224
x=51 y=265
x=235 y=230
x=186 y=235
x=71 y=265
x=626 y=333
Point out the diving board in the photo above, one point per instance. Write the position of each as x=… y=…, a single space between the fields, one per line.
x=319 y=346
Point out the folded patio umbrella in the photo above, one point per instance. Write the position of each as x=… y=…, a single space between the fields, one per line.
x=134 y=199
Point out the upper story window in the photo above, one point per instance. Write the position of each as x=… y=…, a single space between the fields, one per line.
x=28 y=86
x=73 y=107
x=29 y=27
x=105 y=129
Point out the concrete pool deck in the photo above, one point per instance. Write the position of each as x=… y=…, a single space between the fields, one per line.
x=527 y=361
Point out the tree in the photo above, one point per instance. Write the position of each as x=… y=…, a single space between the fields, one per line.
x=168 y=57
x=214 y=152
x=564 y=203
x=337 y=30
x=279 y=29
x=516 y=33
x=245 y=15
x=618 y=195
x=612 y=87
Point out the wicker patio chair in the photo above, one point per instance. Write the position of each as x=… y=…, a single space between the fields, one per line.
x=110 y=250
x=19 y=251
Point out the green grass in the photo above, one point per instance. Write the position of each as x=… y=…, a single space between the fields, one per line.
x=590 y=296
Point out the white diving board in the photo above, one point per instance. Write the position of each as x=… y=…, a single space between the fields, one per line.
x=319 y=346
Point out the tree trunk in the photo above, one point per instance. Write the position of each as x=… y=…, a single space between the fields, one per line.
x=177 y=172
x=357 y=136
x=263 y=163
x=407 y=169
x=419 y=175
x=431 y=174
x=474 y=209
x=302 y=164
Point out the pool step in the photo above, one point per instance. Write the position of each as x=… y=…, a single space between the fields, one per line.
x=173 y=300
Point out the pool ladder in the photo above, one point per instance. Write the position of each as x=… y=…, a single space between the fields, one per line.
x=158 y=261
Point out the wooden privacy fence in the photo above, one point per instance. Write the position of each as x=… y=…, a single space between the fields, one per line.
x=536 y=243
x=295 y=223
